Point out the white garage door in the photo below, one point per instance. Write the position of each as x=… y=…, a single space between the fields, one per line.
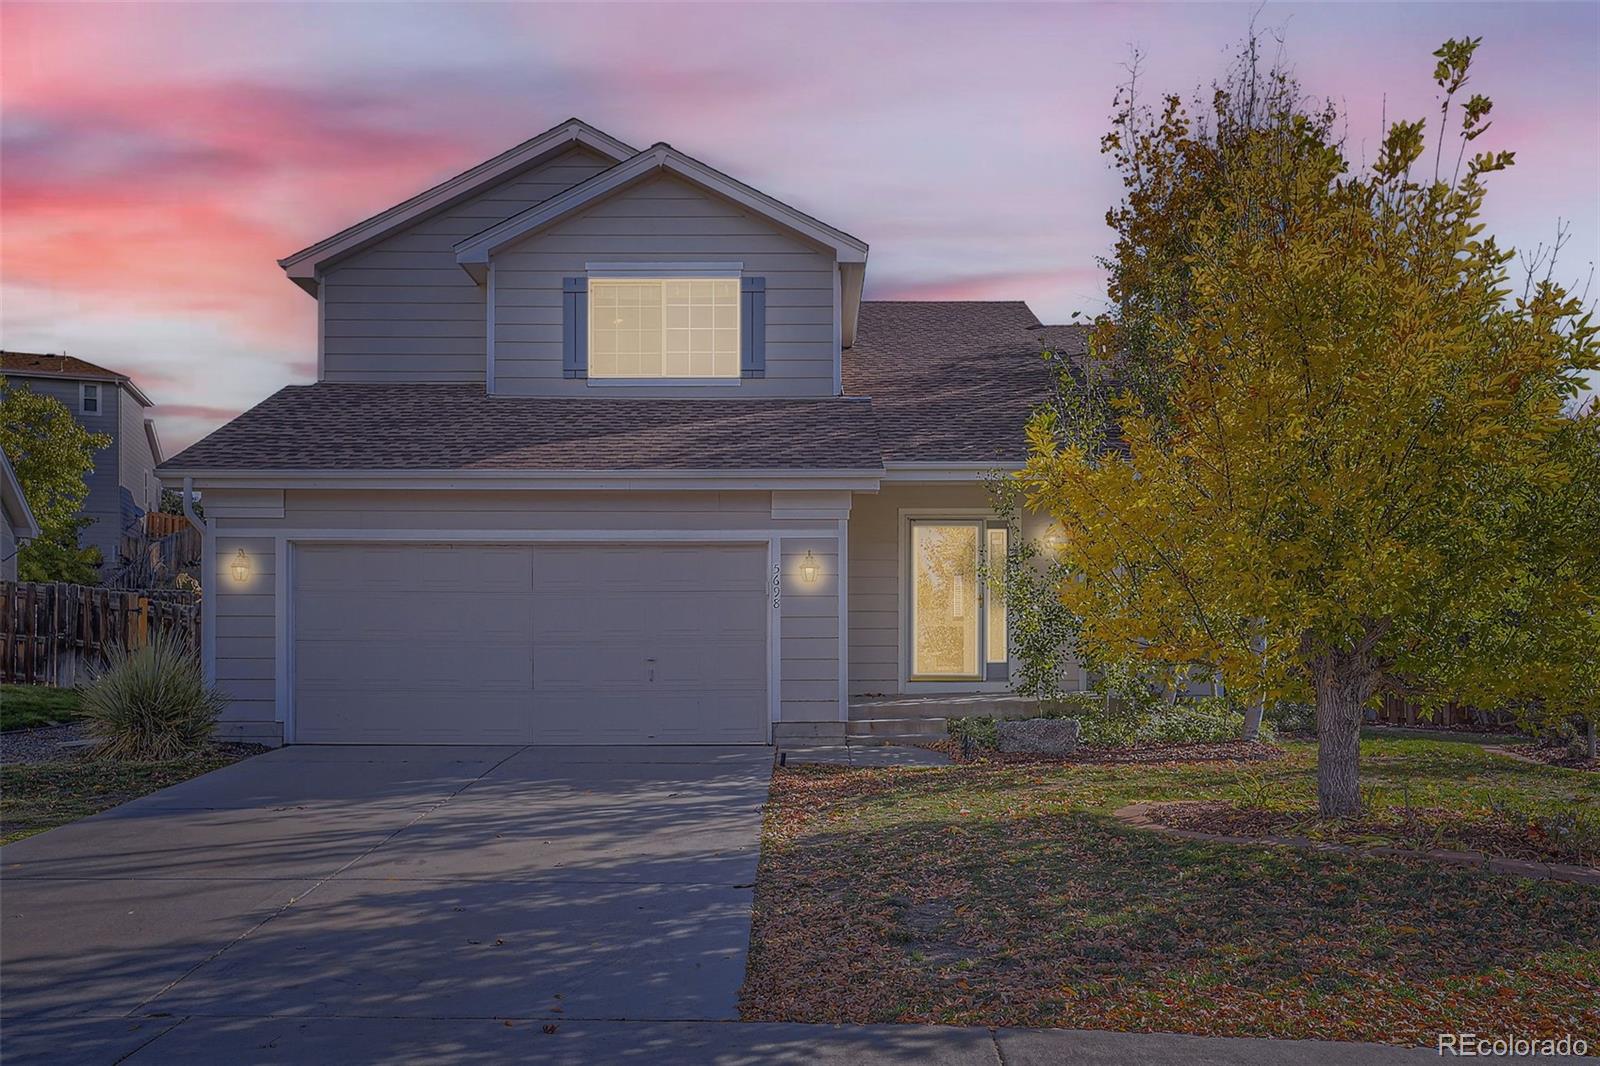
x=478 y=644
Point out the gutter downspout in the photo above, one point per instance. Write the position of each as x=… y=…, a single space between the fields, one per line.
x=208 y=599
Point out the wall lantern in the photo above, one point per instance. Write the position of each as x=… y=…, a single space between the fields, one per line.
x=808 y=569
x=1054 y=541
x=240 y=567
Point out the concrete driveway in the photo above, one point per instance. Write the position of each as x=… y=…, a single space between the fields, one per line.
x=384 y=887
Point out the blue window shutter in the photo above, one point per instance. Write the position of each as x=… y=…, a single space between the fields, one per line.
x=753 y=327
x=575 y=327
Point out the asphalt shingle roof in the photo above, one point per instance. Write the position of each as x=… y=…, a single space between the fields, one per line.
x=927 y=381
x=421 y=426
x=45 y=363
x=950 y=381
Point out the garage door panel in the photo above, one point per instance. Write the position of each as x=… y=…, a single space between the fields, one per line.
x=414 y=567
x=416 y=716
x=416 y=615
x=463 y=666
x=650 y=644
x=579 y=644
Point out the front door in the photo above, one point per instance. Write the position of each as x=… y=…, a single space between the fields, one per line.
x=957 y=621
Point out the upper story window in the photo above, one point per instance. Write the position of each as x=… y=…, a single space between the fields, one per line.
x=673 y=327
x=89 y=398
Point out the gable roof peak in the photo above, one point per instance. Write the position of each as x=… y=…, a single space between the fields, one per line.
x=303 y=265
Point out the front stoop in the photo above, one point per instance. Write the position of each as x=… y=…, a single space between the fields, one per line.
x=913 y=719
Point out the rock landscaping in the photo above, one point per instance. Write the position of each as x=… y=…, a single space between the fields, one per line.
x=1040 y=736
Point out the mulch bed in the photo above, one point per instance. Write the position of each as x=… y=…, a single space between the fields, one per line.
x=1132 y=755
x=1421 y=829
x=1552 y=757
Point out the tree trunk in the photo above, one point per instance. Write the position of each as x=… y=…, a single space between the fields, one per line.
x=1252 y=720
x=1343 y=682
x=1589 y=736
x=1258 y=704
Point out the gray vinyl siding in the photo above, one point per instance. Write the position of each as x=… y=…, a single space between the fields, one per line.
x=878 y=571
x=135 y=462
x=245 y=624
x=245 y=641
x=403 y=310
x=809 y=628
x=103 y=503
x=664 y=219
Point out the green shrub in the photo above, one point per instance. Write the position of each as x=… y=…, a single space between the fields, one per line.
x=151 y=703
x=982 y=731
x=1291 y=716
x=1208 y=720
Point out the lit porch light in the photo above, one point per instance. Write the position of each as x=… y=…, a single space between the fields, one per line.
x=240 y=567
x=808 y=569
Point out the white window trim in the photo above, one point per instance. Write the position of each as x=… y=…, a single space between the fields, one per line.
x=654 y=272
x=83 y=395
x=663 y=270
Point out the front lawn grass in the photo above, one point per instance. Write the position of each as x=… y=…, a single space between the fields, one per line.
x=1006 y=895
x=27 y=706
x=39 y=796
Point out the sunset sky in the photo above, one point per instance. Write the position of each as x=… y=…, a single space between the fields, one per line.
x=156 y=160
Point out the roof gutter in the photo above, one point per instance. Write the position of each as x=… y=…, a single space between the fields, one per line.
x=854 y=480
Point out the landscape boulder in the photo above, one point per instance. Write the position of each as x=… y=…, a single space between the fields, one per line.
x=1039 y=736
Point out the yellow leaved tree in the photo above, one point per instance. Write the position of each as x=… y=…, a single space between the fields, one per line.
x=1355 y=455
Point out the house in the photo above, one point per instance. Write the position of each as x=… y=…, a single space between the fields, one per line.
x=606 y=447
x=122 y=485
x=17 y=524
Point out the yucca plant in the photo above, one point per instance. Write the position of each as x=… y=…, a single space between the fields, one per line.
x=151 y=703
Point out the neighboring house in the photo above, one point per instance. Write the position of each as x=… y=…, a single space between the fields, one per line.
x=122 y=485
x=17 y=524
x=606 y=447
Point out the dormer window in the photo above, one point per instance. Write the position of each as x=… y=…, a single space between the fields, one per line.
x=89 y=398
x=664 y=327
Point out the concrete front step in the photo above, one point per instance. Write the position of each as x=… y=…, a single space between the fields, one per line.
x=867 y=727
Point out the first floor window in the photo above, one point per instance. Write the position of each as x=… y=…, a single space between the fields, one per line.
x=664 y=327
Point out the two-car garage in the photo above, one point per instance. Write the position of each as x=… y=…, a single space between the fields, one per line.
x=554 y=643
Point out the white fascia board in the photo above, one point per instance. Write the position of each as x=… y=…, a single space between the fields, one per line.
x=608 y=480
x=474 y=252
x=936 y=471
x=303 y=265
x=109 y=378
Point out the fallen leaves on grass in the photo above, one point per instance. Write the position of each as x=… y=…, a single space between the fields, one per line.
x=1132 y=755
x=1421 y=829
x=1004 y=895
x=1553 y=757
x=39 y=796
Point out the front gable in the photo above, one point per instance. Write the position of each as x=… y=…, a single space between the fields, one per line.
x=658 y=225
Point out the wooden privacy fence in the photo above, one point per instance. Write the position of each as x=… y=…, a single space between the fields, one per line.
x=51 y=633
x=1399 y=711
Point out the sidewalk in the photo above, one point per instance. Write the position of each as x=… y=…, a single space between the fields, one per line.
x=456 y=1041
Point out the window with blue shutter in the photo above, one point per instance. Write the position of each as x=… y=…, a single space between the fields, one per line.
x=753 y=327
x=575 y=327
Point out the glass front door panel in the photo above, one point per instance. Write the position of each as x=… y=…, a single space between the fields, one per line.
x=995 y=601
x=946 y=608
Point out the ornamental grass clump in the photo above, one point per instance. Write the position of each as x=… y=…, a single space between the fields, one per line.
x=152 y=703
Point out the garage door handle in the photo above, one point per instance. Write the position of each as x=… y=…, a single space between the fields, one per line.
x=652 y=671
